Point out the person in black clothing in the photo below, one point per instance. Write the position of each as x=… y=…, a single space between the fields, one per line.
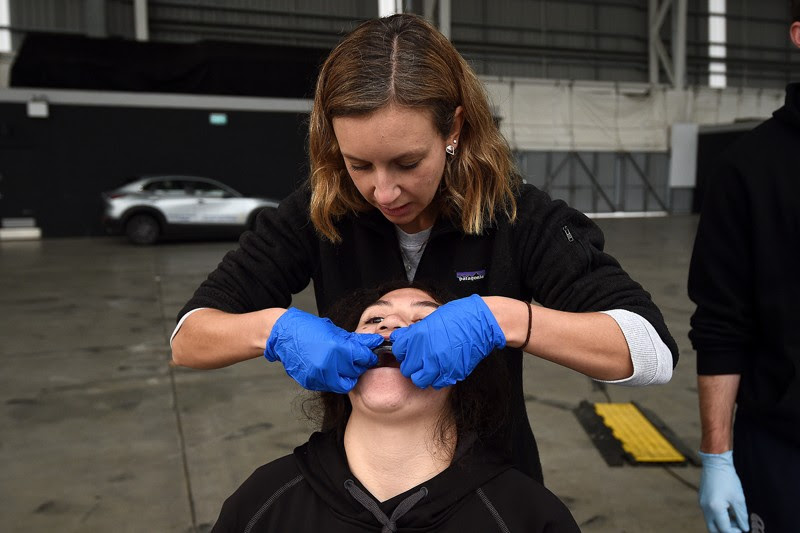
x=744 y=279
x=411 y=179
x=394 y=457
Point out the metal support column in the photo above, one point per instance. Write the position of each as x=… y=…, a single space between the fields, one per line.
x=389 y=7
x=444 y=17
x=5 y=33
x=658 y=58
x=429 y=10
x=652 y=32
x=679 y=16
x=658 y=53
x=94 y=18
x=140 y=20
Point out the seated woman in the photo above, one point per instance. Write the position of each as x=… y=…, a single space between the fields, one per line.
x=394 y=457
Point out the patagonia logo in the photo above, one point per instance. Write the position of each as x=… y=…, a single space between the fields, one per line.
x=473 y=275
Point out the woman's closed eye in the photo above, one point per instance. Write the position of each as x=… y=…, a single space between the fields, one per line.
x=359 y=168
x=408 y=166
x=365 y=167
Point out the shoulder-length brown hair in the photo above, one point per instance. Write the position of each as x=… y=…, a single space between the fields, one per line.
x=403 y=60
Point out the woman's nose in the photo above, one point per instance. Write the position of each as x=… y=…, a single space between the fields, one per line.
x=392 y=322
x=386 y=188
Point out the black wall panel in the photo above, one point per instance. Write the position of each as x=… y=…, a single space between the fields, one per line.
x=55 y=168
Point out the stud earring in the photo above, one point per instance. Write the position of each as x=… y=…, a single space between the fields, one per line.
x=450 y=150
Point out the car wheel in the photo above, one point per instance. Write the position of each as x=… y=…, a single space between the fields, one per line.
x=142 y=229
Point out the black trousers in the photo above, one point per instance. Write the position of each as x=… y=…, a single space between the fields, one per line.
x=769 y=469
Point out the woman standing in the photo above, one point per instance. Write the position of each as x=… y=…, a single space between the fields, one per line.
x=410 y=178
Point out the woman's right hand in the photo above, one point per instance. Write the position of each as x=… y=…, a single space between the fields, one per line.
x=319 y=355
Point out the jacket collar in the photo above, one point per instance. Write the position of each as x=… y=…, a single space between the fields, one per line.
x=323 y=463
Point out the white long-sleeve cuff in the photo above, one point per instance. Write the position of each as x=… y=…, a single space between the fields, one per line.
x=652 y=360
x=180 y=323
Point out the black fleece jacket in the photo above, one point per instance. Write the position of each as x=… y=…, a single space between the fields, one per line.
x=314 y=490
x=745 y=271
x=553 y=254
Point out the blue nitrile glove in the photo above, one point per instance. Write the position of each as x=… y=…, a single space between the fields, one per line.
x=319 y=355
x=720 y=489
x=448 y=344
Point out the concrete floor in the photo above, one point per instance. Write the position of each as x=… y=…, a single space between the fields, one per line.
x=98 y=433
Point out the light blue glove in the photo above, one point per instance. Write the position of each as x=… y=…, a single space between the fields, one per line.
x=319 y=355
x=720 y=489
x=448 y=344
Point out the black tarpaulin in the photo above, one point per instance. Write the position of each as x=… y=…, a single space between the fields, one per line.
x=204 y=67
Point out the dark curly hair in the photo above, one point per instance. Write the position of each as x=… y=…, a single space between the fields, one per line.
x=479 y=405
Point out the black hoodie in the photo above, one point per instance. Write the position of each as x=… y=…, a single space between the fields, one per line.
x=745 y=272
x=313 y=490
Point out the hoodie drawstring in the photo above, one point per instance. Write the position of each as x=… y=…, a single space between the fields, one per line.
x=389 y=523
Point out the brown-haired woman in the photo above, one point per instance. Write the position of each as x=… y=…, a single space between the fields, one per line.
x=394 y=457
x=410 y=178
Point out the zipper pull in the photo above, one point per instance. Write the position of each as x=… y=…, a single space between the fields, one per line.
x=566 y=231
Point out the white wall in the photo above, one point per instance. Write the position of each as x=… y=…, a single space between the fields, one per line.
x=561 y=115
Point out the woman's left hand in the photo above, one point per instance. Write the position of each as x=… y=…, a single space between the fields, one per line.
x=448 y=344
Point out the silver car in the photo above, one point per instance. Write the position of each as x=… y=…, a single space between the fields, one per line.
x=148 y=208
